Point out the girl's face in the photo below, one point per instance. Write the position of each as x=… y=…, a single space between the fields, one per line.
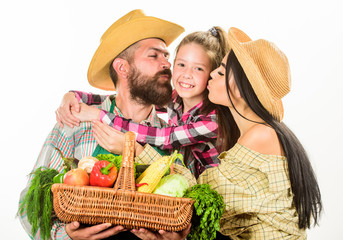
x=191 y=72
x=217 y=87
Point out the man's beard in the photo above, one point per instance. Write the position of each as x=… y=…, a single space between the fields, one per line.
x=148 y=90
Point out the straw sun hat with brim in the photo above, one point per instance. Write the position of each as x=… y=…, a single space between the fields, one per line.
x=266 y=67
x=129 y=29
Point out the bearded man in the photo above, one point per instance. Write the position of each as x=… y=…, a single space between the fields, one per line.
x=132 y=59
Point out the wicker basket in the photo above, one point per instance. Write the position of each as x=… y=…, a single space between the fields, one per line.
x=122 y=205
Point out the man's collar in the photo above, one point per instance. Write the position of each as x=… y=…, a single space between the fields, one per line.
x=152 y=119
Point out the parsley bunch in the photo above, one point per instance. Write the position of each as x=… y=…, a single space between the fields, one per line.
x=209 y=207
x=38 y=201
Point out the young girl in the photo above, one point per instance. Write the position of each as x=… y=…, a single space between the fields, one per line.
x=266 y=178
x=193 y=129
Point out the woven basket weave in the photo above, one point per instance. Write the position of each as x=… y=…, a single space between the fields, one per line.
x=121 y=205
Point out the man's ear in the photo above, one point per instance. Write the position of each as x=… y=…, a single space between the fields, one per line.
x=121 y=66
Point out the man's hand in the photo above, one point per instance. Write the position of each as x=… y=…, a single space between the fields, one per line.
x=161 y=235
x=95 y=232
x=64 y=111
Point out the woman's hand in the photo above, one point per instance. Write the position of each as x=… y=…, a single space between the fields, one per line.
x=161 y=234
x=101 y=231
x=64 y=111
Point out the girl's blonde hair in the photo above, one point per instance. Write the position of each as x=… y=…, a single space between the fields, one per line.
x=215 y=44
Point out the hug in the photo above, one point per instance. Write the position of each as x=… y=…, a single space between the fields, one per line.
x=223 y=98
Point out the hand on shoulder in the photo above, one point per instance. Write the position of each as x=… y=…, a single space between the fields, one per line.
x=262 y=139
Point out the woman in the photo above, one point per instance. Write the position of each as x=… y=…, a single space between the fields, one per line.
x=266 y=178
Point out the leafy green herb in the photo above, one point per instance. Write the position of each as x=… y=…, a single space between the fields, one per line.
x=209 y=207
x=38 y=201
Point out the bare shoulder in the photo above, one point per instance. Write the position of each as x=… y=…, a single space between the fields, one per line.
x=262 y=139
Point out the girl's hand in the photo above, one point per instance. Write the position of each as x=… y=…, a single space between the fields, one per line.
x=64 y=111
x=107 y=137
x=86 y=113
x=161 y=235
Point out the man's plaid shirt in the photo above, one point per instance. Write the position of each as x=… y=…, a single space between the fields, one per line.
x=74 y=142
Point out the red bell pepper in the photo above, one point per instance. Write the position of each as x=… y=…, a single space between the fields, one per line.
x=103 y=174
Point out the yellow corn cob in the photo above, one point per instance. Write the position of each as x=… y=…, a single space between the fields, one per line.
x=153 y=174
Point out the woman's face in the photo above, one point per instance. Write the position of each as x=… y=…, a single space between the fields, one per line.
x=191 y=72
x=217 y=88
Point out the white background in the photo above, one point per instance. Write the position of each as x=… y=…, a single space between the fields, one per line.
x=46 y=46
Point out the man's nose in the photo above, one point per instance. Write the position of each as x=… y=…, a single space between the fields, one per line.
x=166 y=64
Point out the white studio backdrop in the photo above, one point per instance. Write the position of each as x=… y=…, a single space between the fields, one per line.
x=46 y=46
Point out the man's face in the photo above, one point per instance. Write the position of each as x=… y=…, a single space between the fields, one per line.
x=149 y=76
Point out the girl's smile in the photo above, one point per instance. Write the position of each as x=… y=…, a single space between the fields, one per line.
x=191 y=72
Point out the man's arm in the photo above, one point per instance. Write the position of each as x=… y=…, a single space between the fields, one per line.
x=50 y=158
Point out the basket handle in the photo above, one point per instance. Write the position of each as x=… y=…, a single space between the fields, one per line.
x=126 y=179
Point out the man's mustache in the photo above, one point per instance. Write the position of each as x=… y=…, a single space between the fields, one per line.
x=164 y=72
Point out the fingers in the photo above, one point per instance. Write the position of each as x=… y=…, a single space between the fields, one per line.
x=175 y=235
x=60 y=123
x=72 y=229
x=109 y=232
x=75 y=104
x=63 y=113
x=144 y=234
x=73 y=226
x=65 y=116
x=99 y=231
x=100 y=135
x=105 y=128
x=100 y=140
x=109 y=138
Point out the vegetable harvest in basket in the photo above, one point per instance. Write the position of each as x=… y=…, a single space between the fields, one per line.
x=102 y=171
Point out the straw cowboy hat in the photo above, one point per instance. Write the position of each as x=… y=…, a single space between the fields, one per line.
x=131 y=28
x=266 y=67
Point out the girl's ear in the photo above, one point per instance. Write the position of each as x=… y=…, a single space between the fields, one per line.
x=121 y=66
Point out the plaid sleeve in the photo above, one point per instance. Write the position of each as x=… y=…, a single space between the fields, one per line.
x=204 y=129
x=254 y=209
x=148 y=155
x=49 y=157
x=89 y=98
